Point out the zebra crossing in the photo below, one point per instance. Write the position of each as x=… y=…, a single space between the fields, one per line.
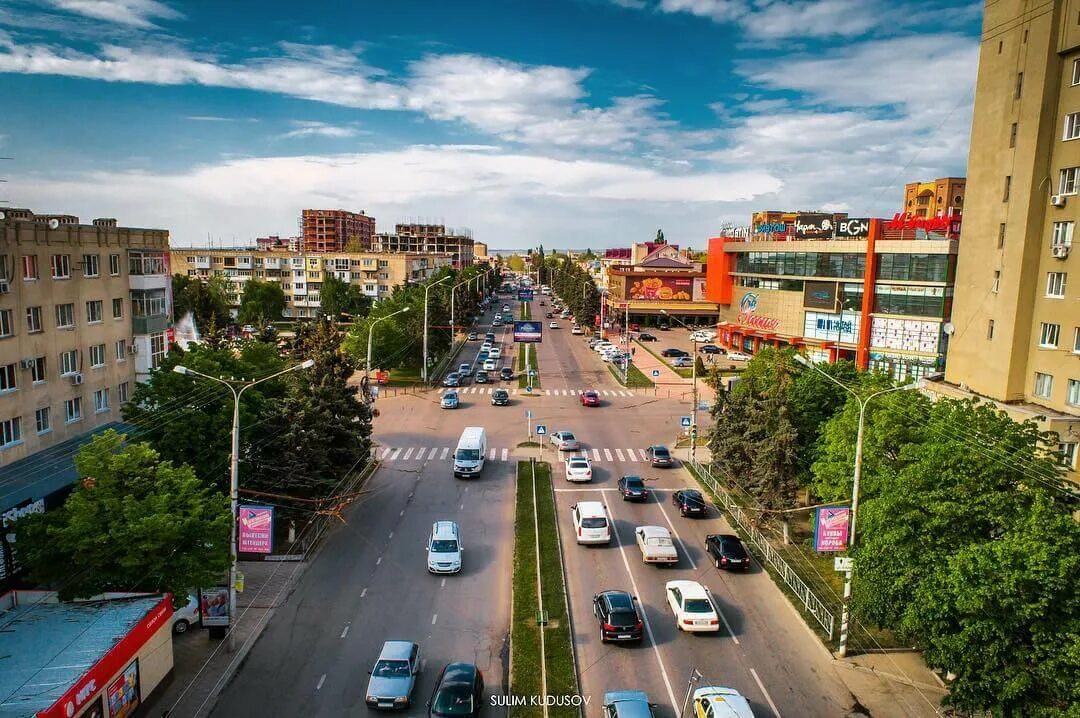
x=443 y=453
x=546 y=392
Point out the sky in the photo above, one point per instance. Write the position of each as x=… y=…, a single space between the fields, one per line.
x=566 y=123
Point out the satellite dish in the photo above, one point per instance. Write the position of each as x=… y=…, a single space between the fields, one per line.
x=54 y=223
x=948 y=328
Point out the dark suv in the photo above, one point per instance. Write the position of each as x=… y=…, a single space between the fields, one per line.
x=727 y=552
x=500 y=397
x=617 y=614
x=459 y=692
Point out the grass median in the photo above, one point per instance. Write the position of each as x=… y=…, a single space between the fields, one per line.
x=635 y=379
x=522 y=370
x=526 y=655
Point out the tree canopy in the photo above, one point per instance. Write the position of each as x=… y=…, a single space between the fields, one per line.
x=261 y=302
x=207 y=301
x=338 y=297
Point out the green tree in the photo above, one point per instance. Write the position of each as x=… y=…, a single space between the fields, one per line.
x=660 y=237
x=261 y=302
x=134 y=523
x=338 y=297
x=208 y=302
x=516 y=263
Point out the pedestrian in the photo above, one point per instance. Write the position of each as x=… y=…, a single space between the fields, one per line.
x=633 y=351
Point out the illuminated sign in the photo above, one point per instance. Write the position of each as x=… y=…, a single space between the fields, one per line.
x=771 y=228
x=928 y=224
x=758 y=322
x=813 y=226
x=526 y=331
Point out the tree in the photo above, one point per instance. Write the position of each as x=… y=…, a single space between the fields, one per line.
x=208 y=302
x=339 y=297
x=261 y=302
x=660 y=237
x=516 y=263
x=134 y=523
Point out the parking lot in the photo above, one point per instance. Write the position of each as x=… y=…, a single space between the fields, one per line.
x=679 y=338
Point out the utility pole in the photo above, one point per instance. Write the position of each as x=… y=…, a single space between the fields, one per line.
x=427 y=288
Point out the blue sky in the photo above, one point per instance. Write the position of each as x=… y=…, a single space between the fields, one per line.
x=564 y=122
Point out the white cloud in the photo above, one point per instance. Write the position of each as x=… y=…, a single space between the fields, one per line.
x=718 y=10
x=306 y=128
x=216 y=118
x=136 y=13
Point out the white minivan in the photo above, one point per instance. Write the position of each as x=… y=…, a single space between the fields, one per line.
x=591 y=522
x=470 y=452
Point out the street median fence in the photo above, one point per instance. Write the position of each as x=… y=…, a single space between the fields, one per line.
x=542 y=661
x=811 y=603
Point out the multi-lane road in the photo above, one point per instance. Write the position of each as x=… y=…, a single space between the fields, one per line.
x=369 y=582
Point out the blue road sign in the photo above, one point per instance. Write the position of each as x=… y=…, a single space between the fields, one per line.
x=656 y=372
x=528 y=413
x=529 y=388
x=541 y=429
x=685 y=421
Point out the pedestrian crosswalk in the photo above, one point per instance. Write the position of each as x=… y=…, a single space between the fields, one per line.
x=546 y=392
x=443 y=453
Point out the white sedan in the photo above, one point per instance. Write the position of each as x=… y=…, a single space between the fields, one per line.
x=491 y=365
x=494 y=353
x=553 y=325
x=656 y=545
x=565 y=441
x=578 y=468
x=692 y=606
x=739 y=356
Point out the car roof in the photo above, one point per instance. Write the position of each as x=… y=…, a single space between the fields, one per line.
x=689 y=589
x=459 y=673
x=654 y=531
x=594 y=508
x=634 y=477
x=691 y=492
x=591 y=391
x=618 y=599
x=655 y=447
x=726 y=702
x=631 y=704
x=396 y=651
x=444 y=529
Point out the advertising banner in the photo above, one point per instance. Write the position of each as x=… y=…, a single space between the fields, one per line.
x=813 y=226
x=214 y=606
x=664 y=289
x=820 y=295
x=525 y=295
x=123 y=693
x=256 y=529
x=831 y=528
x=528 y=331
x=853 y=228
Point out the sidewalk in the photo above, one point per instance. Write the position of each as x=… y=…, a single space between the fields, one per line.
x=891 y=684
x=669 y=383
x=203 y=666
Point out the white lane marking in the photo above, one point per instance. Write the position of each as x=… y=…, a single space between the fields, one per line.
x=631 y=455
x=434 y=618
x=344 y=631
x=445 y=451
x=618 y=452
x=488 y=391
x=593 y=489
x=644 y=617
x=322 y=679
x=378 y=560
x=644 y=456
x=628 y=393
x=397 y=451
x=765 y=693
x=443 y=584
x=386 y=451
x=491 y=454
x=596 y=454
x=462 y=507
x=604 y=392
x=607 y=455
x=514 y=391
x=408 y=453
x=391 y=535
x=675 y=533
x=402 y=512
x=505 y=454
x=547 y=392
x=363 y=593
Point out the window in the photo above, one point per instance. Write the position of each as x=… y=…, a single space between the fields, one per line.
x=114 y=264
x=93 y=311
x=1076 y=340
x=1008 y=185
x=1068 y=454
x=1055 y=284
x=37 y=370
x=65 y=315
x=157 y=350
x=1063 y=233
x=1072 y=394
x=29 y=267
x=10 y=431
x=73 y=410
x=97 y=355
x=7 y=323
x=1001 y=235
x=7 y=377
x=990 y=329
x=122 y=391
x=1067 y=181
x=1048 y=335
x=61 y=266
x=121 y=350
x=101 y=400
x=1044 y=384
x=118 y=308
x=1012 y=136
x=91 y=266
x=42 y=420
x=997 y=281
x=33 y=319
x=1072 y=126
x=1019 y=84
x=148 y=303
x=69 y=362
x=141 y=263
x=1076 y=72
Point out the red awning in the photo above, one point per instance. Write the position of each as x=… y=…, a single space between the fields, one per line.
x=796 y=340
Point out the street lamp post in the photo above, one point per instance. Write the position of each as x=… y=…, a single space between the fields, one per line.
x=863 y=402
x=371 y=332
x=427 y=288
x=453 y=327
x=234 y=474
x=693 y=380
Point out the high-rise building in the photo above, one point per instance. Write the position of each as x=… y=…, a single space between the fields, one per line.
x=943 y=197
x=1016 y=318
x=332 y=230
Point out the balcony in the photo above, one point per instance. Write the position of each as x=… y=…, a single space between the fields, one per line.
x=149 y=325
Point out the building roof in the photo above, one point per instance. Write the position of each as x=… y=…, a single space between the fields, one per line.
x=45 y=648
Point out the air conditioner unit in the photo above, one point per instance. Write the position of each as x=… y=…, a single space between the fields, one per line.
x=1058 y=200
x=133 y=348
x=5 y=286
x=76 y=378
x=1060 y=251
x=27 y=363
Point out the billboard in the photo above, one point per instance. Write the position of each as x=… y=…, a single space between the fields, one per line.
x=525 y=295
x=813 y=226
x=256 y=529
x=214 y=606
x=664 y=289
x=831 y=528
x=853 y=228
x=528 y=331
x=820 y=295
x=123 y=693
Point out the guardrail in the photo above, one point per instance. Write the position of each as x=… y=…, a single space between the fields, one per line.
x=767 y=554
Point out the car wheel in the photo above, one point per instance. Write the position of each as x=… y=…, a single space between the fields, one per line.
x=716 y=562
x=180 y=626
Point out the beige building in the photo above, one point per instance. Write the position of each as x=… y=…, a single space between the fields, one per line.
x=943 y=197
x=84 y=314
x=1016 y=318
x=301 y=274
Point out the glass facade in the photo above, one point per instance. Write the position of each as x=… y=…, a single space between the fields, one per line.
x=802 y=264
x=911 y=301
x=915 y=267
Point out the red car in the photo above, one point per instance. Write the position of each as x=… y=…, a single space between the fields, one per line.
x=590 y=398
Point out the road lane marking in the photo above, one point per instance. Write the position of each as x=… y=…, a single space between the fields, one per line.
x=408 y=453
x=592 y=489
x=344 y=631
x=434 y=618
x=675 y=533
x=445 y=451
x=644 y=616
x=391 y=535
x=322 y=679
x=491 y=454
x=462 y=507
x=765 y=693
x=505 y=454
x=397 y=451
x=547 y=392
x=607 y=455
x=443 y=584
x=402 y=512
x=386 y=451
x=363 y=593
x=727 y=625
x=630 y=454
x=378 y=560
x=644 y=456
x=618 y=452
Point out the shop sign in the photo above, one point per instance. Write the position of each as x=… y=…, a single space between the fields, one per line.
x=771 y=228
x=12 y=515
x=757 y=321
x=748 y=302
x=819 y=295
x=813 y=226
x=928 y=224
x=256 y=529
x=853 y=228
x=831 y=528
x=664 y=289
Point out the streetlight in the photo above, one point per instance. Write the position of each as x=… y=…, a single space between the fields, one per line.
x=855 y=484
x=371 y=332
x=234 y=478
x=427 y=288
x=693 y=379
x=452 y=290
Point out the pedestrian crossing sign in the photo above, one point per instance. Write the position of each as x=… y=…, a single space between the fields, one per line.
x=656 y=372
x=685 y=421
x=541 y=429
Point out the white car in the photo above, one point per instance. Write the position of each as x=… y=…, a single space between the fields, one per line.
x=720 y=702
x=553 y=325
x=565 y=441
x=577 y=330
x=494 y=353
x=578 y=468
x=487 y=347
x=186 y=617
x=692 y=606
x=656 y=545
x=599 y=348
x=702 y=336
x=490 y=365
x=739 y=356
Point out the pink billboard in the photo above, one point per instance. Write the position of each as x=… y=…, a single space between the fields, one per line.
x=831 y=529
x=256 y=526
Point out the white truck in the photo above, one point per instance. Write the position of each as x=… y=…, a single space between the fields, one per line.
x=470 y=452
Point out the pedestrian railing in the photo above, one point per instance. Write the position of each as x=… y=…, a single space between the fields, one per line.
x=766 y=553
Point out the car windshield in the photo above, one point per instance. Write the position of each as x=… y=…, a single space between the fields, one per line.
x=444 y=546
x=633 y=482
x=659 y=541
x=391 y=669
x=698 y=605
x=501 y=394
x=624 y=619
x=660 y=452
x=453 y=701
x=579 y=464
x=593 y=523
x=567 y=436
x=467 y=455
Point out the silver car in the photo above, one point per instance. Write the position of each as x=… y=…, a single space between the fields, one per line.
x=394 y=675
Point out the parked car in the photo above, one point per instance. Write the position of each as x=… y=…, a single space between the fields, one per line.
x=459 y=692
x=702 y=335
x=394 y=675
x=646 y=337
x=184 y=618
x=720 y=702
x=659 y=455
x=482 y=377
x=506 y=373
x=692 y=606
x=727 y=552
x=565 y=441
x=633 y=488
x=739 y=356
x=451 y=379
x=663 y=327
x=710 y=349
x=449 y=400
x=682 y=362
x=689 y=502
x=578 y=468
x=500 y=397
x=617 y=614
x=673 y=352
x=590 y=397
x=656 y=545
x=627 y=704
x=577 y=330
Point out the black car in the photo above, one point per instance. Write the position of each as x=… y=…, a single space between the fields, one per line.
x=617 y=614
x=490 y=336
x=482 y=377
x=663 y=327
x=633 y=488
x=689 y=502
x=459 y=691
x=500 y=397
x=673 y=352
x=549 y=315
x=646 y=337
x=659 y=456
x=727 y=552
x=710 y=349
x=506 y=373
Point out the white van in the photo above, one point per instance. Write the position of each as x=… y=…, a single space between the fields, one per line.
x=444 y=548
x=470 y=453
x=590 y=522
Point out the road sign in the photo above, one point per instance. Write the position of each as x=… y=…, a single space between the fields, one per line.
x=656 y=372
x=528 y=413
x=541 y=429
x=528 y=389
x=843 y=563
x=685 y=422
x=532 y=372
x=703 y=405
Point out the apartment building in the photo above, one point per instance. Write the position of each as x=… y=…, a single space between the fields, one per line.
x=943 y=197
x=301 y=274
x=1017 y=309
x=84 y=314
x=332 y=230
x=430 y=238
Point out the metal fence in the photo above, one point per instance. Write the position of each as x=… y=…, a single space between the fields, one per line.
x=766 y=553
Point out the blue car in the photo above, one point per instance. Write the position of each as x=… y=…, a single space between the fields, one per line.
x=452 y=379
x=450 y=400
x=627 y=704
